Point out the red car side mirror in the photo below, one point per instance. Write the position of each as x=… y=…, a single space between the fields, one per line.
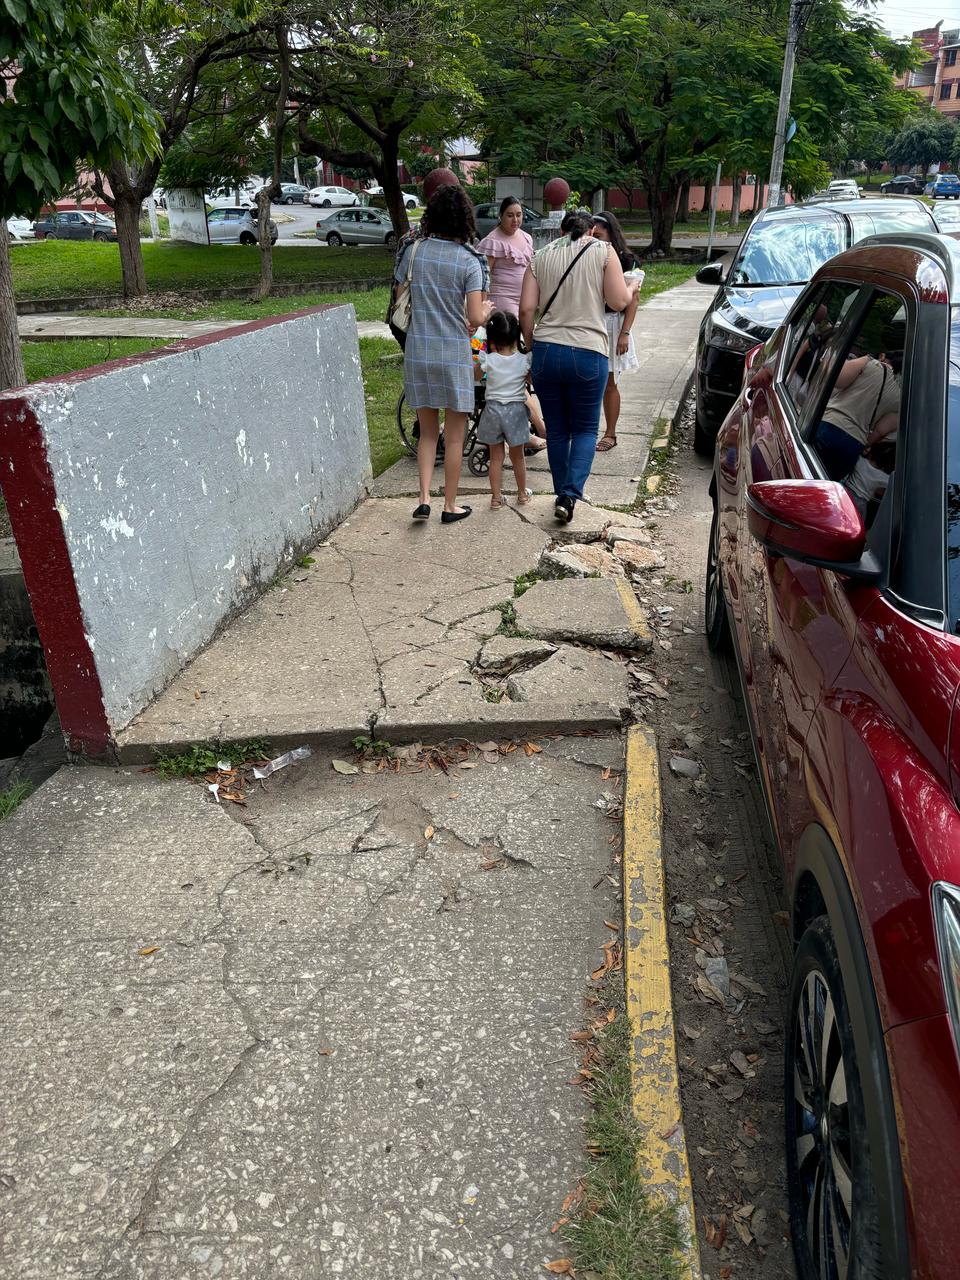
x=813 y=521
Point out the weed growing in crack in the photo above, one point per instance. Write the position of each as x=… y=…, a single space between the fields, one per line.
x=524 y=581
x=491 y=694
x=618 y=1231
x=203 y=757
x=508 y=616
x=372 y=748
x=13 y=796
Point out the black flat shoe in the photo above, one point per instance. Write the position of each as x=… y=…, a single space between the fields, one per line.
x=563 y=510
x=422 y=512
x=448 y=517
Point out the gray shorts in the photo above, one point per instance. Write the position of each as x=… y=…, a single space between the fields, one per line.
x=504 y=423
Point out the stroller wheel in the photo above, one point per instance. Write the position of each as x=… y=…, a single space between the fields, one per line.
x=478 y=460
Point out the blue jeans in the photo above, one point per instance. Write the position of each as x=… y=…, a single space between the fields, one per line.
x=569 y=383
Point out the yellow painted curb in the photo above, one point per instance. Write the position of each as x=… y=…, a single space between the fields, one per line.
x=656 y=1081
x=635 y=615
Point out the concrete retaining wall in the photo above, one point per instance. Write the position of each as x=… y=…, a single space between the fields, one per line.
x=152 y=498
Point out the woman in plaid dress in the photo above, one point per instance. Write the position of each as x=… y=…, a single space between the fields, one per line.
x=446 y=297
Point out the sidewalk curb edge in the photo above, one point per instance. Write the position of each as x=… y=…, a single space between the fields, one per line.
x=655 y=1073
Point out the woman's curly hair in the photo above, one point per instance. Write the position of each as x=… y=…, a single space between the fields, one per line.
x=449 y=214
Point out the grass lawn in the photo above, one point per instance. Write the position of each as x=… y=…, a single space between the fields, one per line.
x=51 y=359
x=62 y=268
x=665 y=275
x=382 y=383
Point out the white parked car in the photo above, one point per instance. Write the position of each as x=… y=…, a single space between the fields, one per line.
x=843 y=189
x=409 y=201
x=332 y=197
x=226 y=198
x=20 y=228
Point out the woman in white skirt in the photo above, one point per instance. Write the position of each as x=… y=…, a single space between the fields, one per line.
x=623 y=356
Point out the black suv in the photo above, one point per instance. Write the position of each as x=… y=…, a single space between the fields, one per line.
x=779 y=253
x=904 y=184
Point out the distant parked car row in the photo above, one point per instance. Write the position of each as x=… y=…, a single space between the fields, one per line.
x=20 y=228
x=74 y=224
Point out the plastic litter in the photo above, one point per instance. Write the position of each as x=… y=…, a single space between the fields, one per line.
x=224 y=766
x=281 y=762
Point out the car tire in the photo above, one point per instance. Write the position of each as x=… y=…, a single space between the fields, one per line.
x=716 y=624
x=704 y=439
x=334 y=240
x=101 y=236
x=289 y=200
x=247 y=238
x=326 y=205
x=391 y=240
x=831 y=1182
x=51 y=235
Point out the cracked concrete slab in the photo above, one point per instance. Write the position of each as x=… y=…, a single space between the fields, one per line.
x=582 y=610
x=349 y=1051
x=570 y=674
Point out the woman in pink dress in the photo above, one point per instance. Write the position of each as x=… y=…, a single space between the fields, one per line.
x=509 y=251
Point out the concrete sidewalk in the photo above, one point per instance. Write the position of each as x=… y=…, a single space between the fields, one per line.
x=62 y=327
x=327 y=1034
x=393 y=626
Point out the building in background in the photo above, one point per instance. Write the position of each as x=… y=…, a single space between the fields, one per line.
x=937 y=79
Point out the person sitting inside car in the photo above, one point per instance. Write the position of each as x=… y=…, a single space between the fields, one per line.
x=863 y=408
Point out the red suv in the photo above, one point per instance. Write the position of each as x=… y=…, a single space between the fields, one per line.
x=834 y=569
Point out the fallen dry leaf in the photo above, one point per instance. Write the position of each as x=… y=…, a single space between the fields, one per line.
x=486 y=746
x=562 y=1267
x=429 y=833
x=608 y=924
x=509 y=747
x=582 y=1037
x=531 y=749
x=492 y=864
x=344 y=766
x=147 y=951
x=324 y=1053
x=716 y=1231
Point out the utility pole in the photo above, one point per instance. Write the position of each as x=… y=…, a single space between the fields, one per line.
x=799 y=12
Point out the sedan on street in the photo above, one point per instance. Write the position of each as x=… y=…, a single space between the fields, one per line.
x=904 y=184
x=235 y=226
x=356 y=226
x=779 y=253
x=293 y=193
x=945 y=186
x=833 y=576
x=332 y=197
x=410 y=201
x=74 y=224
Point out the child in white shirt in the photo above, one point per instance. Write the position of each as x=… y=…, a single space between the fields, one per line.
x=504 y=423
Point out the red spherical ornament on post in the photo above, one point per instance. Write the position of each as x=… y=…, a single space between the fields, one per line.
x=437 y=178
x=556 y=193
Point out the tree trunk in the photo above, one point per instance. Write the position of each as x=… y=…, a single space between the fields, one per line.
x=707 y=195
x=758 y=193
x=662 y=201
x=263 y=239
x=390 y=181
x=11 y=358
x=271 y=190
x=126 y=208
x=683 y=208
x=735 y=201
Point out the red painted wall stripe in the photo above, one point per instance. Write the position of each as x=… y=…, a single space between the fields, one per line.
x=30 y=493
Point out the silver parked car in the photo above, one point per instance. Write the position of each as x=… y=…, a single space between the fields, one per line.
x=293 y=193
x=357 y=226
x=235 y=226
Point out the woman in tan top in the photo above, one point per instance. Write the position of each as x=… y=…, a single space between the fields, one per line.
x=570 y=284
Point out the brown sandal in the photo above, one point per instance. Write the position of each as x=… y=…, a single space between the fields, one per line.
x=606 y=444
